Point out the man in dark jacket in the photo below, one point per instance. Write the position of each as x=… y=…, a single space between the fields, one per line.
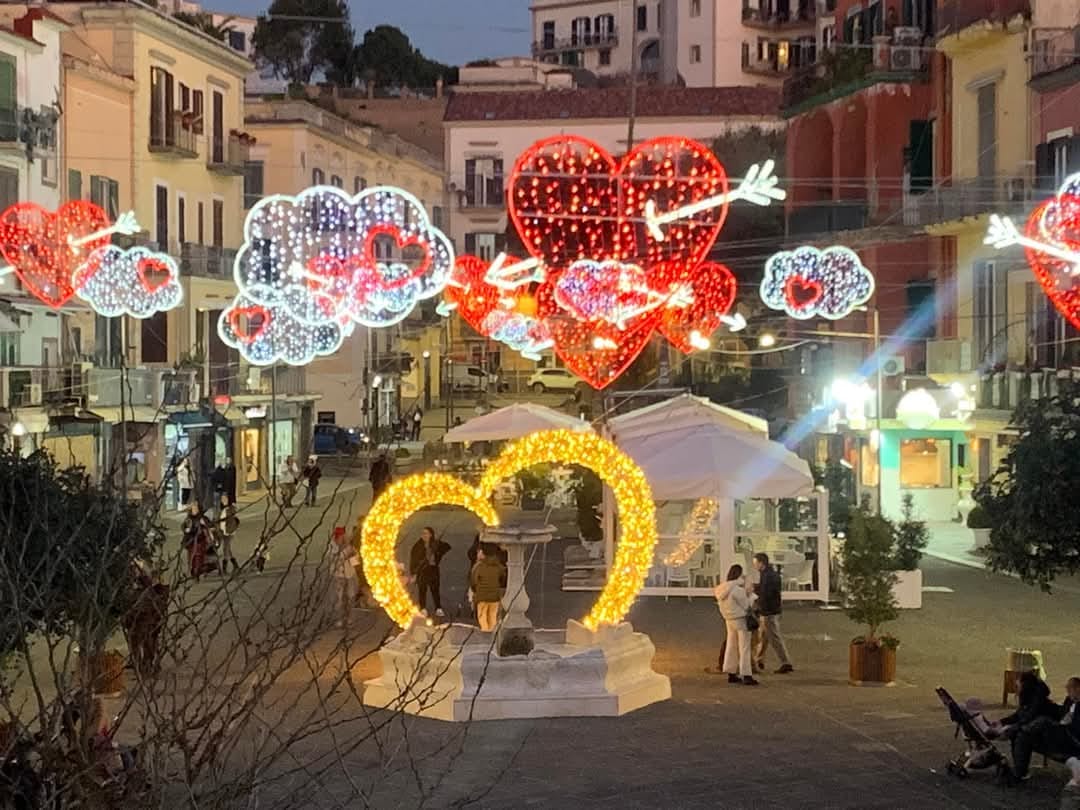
x=379 y=476
x=1057 y=738
x=488 y=583
x=424 y=560
x=769 y=607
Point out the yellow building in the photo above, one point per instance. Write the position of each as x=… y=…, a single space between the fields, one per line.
x=299 y=144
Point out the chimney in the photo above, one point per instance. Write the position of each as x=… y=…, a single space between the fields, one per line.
x=669 y=42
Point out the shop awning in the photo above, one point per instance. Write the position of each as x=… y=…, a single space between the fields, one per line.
x=138 y=413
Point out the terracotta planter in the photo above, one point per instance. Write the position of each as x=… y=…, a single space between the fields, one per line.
x=106 y=673
x=871 y=665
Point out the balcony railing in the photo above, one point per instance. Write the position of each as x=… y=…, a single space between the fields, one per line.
x=228 y=155
x=1053 y=50
x=824 y=217
x=948 y=356
x=776 y=20
x=143 y=387
x=575 y=42
x=956 y=15
x=173 y=135
x=289 y=381
x=968 y=198
x=206 y=261
x=36 y=386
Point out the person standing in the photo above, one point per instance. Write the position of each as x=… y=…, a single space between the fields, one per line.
x=185 y=480
x=417 y=423
x=343 y=573
x=424 y=560
x=227 y=525
x=379 y=476
x=488 y=583
x=312 y=474
x=769 y=608
x=196 y=539
x=734 y=603
x=288 y=475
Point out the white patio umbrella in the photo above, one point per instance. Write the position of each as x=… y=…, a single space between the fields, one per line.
x=514 y=421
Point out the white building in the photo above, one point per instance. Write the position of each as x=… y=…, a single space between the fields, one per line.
x=485 y=133
x=699 y=43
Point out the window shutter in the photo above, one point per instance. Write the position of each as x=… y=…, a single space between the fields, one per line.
x=470 y=182
x=74 y=184
x=470 y=244
x=1044 y=167
x=496 y=195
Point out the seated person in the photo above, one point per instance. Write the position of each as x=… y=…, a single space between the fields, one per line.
x=1033 y=702
x=1057 y=738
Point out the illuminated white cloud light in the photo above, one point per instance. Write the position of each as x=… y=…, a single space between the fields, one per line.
x=138 y=282
x=810 y=283
x=265 y=329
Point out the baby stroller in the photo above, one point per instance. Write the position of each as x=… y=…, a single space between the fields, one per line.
x=981 y=752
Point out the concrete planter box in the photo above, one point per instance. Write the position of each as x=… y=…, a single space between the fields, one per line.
x=908 y=589
x=982 y=539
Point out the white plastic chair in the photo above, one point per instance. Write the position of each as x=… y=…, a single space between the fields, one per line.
x=802 y=576
x=677 y=574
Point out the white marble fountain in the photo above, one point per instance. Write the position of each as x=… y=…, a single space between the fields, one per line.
x=456 y=672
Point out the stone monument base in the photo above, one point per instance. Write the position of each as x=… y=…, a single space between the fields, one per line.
x=452 y=672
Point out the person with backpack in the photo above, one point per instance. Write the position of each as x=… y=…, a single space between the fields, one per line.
x=488 y=584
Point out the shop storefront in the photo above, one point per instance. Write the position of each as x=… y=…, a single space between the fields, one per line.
x=205 y=440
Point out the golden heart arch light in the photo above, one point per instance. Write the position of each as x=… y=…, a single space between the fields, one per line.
x=633 y=499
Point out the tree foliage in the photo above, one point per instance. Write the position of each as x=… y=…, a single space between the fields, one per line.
x=302 y=38
x=387 y=57
x=868 y=571
x=912 y=537
x=1034 y=532
x=204 y=21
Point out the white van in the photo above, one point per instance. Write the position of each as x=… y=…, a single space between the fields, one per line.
x=472 y=378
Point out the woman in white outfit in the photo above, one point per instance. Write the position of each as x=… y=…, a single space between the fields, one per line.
x=734 y=602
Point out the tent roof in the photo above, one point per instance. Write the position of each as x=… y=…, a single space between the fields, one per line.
x=513 y=421
x=715 y=461
x=684 y=410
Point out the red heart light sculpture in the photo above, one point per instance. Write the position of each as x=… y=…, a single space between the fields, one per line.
x=1057 y=222
x=40 y=245
x=713 y=290
x=802 y=292
x=249 y=322
x=570 y=200
x=474 y=297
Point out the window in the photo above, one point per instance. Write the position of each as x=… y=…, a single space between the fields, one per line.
x=868 y=464
x=318 y=177
x=238 y=41
x=359 y=184
x=1059 y=155
x=828 y=37
x=990 y=299
x=336 y=181
x=162 y=105
x=484 y=245
x=572 y=59
x=921 y=313
x=219 y=223
x=74 y=189
x=161 y=217
x=605 y=57
x=185 y=98
x=483 y=182
x=659 y=16
x=253 y=182
x=9 y=186
x=604 y=28
x=197 y=111
x=217 y=144
x=580 y=31
x=181 y=219
x=695 y=54
x=9 y=114
x=987 y=155
x=326 y=418
x=642 y=18
x=105 y=192
x=926 y=463
x=155 y=338
x=438 y=216
x=548 y=42
x=199 y=231
x=695 y=8
x=9 y=348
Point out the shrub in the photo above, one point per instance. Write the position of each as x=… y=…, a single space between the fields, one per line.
x=978 y=518
x=912 y=537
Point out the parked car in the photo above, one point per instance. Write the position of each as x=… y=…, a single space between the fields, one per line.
x=553 y=379
x=330 y=440
x=472 y=378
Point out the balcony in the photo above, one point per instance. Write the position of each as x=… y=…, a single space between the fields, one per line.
x=399 y=363
x=285 y=381
x=763 y=67
x=228 y=155
x=1053 y=52
x=206 y=261
x=25 y=129
x=173 y=136
x=956 y=15
x=143 y=387
x=39 y=386
x=576 y=42
x=825 y=217
x=948 y=356
x=969 y=198
x=779 y=19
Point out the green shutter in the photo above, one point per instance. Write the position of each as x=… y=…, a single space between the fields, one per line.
x=74 y=184
x=9 y=117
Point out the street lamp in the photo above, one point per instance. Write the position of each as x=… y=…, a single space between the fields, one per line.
x=427 y=379
x=18 y=430
x=767 y=340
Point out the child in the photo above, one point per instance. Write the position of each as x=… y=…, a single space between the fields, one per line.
x=488 y=582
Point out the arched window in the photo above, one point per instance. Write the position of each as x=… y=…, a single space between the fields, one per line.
x=359 y=184
x=318 y=177
x=336 y=181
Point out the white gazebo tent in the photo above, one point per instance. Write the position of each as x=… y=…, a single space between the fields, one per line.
x=694 y=452
x=512 y=422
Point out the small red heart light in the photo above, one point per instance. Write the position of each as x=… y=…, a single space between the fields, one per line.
x=153 y=273
x=39 y=245
x=403 y=243
x=713 y=292
x=802 y=293
x=249 y=322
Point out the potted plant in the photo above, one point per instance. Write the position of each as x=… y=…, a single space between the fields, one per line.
x=911 y=538
x=978 y=520
x=869 y=600
x=534 y=485
x=588 y=495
